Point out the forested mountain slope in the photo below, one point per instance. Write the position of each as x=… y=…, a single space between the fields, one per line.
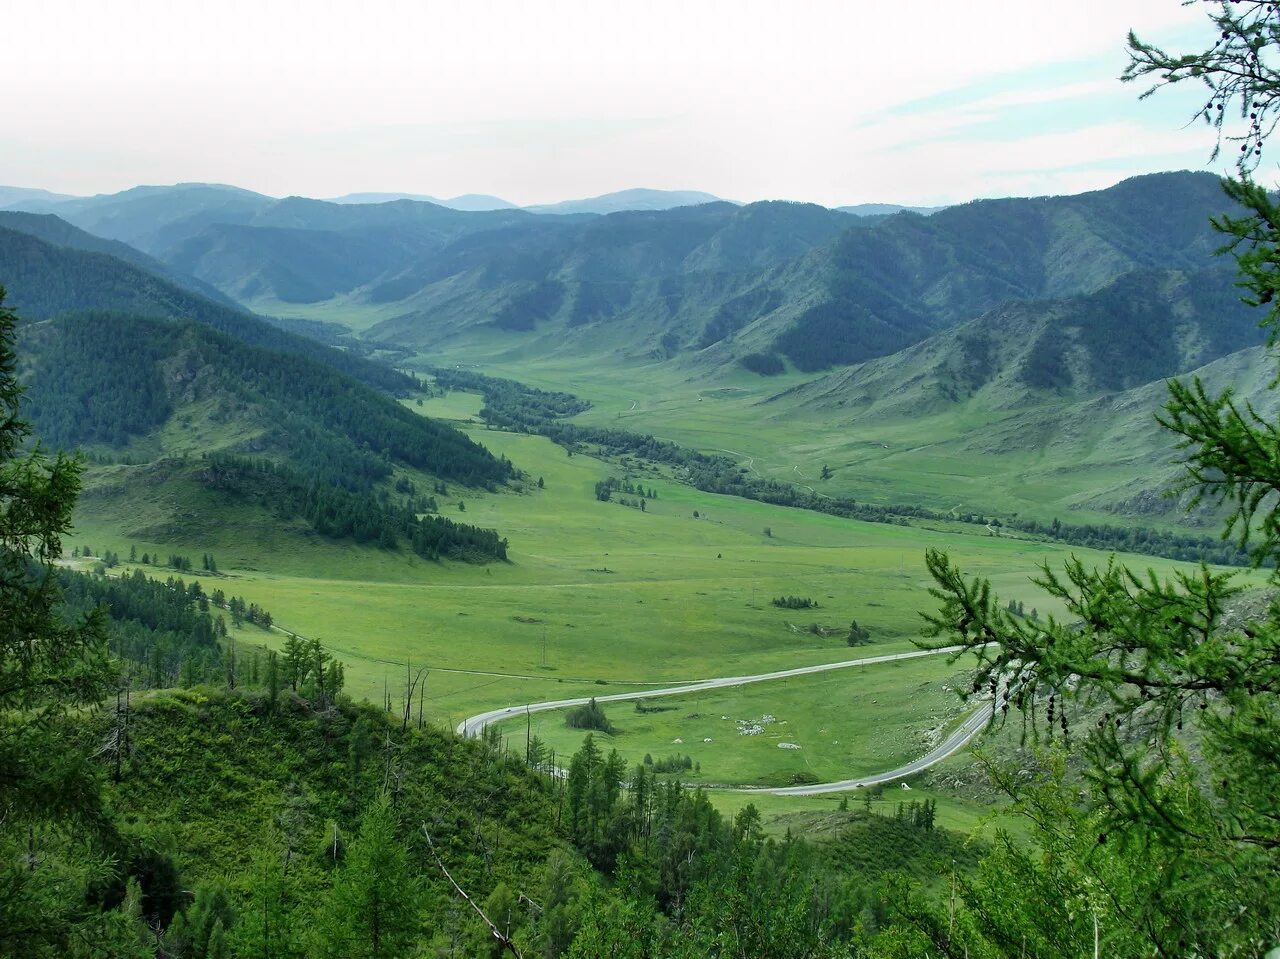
x=44 y=280
x=1146 y=325
x=891 y=285
x=156 y=380
x=1048 y=395
x=57 y=231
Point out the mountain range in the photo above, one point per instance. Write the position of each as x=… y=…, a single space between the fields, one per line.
x=1014 y=317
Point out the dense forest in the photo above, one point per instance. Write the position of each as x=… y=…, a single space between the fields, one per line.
x=102 y=377
x=338 y=513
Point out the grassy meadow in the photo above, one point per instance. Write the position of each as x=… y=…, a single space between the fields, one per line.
x=956 y=458
x=600 y=596
x=815 y=728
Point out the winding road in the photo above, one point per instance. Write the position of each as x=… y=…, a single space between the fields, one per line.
x=956 y=741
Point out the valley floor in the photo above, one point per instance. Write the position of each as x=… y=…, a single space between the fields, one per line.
x=602 y=598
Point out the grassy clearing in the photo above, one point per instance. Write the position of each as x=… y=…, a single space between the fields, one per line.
x=821 y=817
x=816 y=728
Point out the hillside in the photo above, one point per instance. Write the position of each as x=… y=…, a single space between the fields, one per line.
x=44 y=280
x=708 y=284
x=1147 y=325
x=634 y=283
x=713 y=283
x=58 y=232
x=155 y=380
x=909 y=275
x=979 y=328
x=1046 y=395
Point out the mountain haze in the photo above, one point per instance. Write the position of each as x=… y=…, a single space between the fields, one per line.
x=635 y=199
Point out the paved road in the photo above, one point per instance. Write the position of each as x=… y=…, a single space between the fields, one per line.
x=474 y=725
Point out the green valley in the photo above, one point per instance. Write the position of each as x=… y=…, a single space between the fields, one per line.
x=651 y=575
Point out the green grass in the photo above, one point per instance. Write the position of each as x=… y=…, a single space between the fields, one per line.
x=957 y=457
x=845 y=723
x=618 y=594
x=597 y=595
x=820 y=817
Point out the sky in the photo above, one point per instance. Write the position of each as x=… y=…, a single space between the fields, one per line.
x=933 y=102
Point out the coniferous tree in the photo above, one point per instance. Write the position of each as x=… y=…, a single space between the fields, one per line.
x=48 y=665
x=1175 y=849
x=371 y=911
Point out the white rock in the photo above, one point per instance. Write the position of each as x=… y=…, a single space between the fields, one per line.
x=787 y=746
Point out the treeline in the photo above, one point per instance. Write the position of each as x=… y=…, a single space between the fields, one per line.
x=508 y=404
x=339 y=514
x=794 y=602
x=766 y=364
x=718 y=474
x=167 y=633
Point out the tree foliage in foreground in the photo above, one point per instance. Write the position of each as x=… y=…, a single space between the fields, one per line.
x=1175 y=848
x=49 y=665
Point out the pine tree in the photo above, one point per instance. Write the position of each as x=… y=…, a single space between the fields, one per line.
x=371 y=911
x=296 y=660
x=48 y=665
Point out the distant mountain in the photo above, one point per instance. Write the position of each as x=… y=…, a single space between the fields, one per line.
x=637 y=199
x=477 y=203
x=145 y=216
x=382 y=198
x=13 y=195
x=887 y=209
x=468 y=202
x=892 y=284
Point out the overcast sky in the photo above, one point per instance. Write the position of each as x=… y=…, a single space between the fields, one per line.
x=935 y=101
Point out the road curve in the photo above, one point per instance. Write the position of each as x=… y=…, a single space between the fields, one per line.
x=972 y=725
x=958 y=739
